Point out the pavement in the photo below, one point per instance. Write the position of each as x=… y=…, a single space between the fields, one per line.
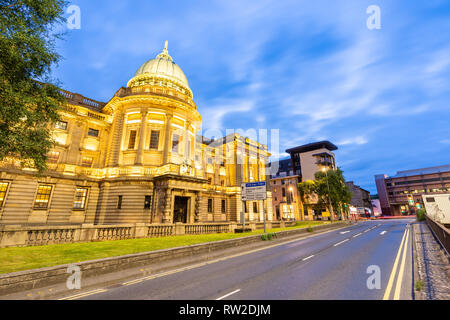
x=370 y=260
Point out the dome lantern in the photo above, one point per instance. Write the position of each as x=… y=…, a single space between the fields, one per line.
x=161 y=71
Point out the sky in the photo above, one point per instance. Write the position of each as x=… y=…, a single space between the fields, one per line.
x=311 y=69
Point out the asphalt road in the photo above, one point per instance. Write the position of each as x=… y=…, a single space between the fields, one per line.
x=332 y=265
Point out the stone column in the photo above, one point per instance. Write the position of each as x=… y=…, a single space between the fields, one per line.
x=198 y=203
x=140 y=152
x=186 y=141
x=167 y=214
x=167 y=137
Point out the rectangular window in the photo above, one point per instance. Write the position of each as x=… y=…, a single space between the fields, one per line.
x=283 y=192
x=132 y=140
x=43 y=196
x=209 y=180
x=188 y=149
x=87 y=162
x=210 y=205
x=245 y=207
x=255 y=206
x=224 y=206
x=147 y=202
x=93 y=132
x=3 y=189
x=53 y=157
x=61 y=125
x=119 y=202
x=175 y=142
x=154 y=140
x=80 y=198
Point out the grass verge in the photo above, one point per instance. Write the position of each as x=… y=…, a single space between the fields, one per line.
x=26 y=258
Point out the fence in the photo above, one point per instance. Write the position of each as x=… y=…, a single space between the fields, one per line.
x=441 y=232
x=21 y=236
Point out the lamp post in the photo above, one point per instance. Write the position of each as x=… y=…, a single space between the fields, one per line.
x=329 y=199
x=292 y=201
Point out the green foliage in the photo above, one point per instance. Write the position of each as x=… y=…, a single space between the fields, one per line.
x=264 y=237
x=420 y=214
x=327 y=187
x=419 y=285
x=310 y=229
x=27 y=53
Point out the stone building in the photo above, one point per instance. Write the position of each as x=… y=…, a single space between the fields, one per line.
x=136 y=159
x=360 y=197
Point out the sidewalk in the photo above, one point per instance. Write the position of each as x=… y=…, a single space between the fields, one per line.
x=432 y=263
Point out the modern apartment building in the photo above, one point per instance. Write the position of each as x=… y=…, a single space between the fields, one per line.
x=302 y=165
x=401 y=194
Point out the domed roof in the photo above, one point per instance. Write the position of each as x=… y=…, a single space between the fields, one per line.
x=163 y=66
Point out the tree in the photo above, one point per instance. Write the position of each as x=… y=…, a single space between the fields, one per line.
x=29 y=102
x=332 y=190
x=327 y=189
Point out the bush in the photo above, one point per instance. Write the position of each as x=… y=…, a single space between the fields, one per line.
x=421 y=214
x=269 y=236
x=309 y=229
x=264 y=237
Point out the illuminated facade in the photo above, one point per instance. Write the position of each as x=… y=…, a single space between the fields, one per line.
x=136 y=159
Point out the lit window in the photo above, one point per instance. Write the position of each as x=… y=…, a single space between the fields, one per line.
x=87 y=162
x=53 y=157
x=119 y=202
x=93 y=132
x=3 y=189
x=80 y=198
x=224 y=207
x=43 y=196
x=175 y=142
x=61 y=125
x=188 y=150
x=154 y=140
x=132 y=139
x=147 y=202
x=210 y=205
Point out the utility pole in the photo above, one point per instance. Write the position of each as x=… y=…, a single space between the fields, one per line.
x=329 y=199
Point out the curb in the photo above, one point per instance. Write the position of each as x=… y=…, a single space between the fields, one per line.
x=39 y=278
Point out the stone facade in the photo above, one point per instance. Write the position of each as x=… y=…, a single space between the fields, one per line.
x=137 y=159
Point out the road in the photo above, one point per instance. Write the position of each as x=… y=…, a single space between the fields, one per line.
x=333 y=265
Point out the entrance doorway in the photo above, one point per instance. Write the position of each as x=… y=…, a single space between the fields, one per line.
x=180 y=209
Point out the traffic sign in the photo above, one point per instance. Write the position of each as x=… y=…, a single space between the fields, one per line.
x=254 y=191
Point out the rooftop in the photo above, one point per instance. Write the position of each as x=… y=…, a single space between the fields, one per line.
x=417 y=172
x=313 y=146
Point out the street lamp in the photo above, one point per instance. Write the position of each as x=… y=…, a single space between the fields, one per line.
x=329 y=199
x=292 y=201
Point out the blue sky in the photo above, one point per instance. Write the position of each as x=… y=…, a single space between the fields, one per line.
x=311 y=69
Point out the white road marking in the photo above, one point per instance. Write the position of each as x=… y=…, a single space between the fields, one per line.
x=201 y=264
x=229 y=294
x=307 y=258
x=367 y=230
x=383 y=233
x=341 y=242
x=357 y=235
x=84 y=294
x=344 y=232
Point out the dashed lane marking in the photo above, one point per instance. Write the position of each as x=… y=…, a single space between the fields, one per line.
x=228 y=294
x=84 y=294
x=339 y=243
x=307 y=258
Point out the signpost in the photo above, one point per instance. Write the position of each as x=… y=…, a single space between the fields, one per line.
x=253 y=191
